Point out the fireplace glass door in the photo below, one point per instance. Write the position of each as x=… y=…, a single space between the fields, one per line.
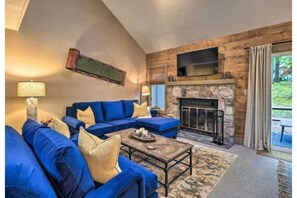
x=201 y=119
x=210 y=120
x=193 y=117
x=185 y=116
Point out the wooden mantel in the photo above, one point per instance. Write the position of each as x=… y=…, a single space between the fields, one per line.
x=202 y=82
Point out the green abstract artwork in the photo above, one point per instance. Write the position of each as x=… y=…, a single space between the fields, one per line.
x=86 y=65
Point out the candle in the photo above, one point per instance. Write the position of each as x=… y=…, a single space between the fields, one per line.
x=144 y=133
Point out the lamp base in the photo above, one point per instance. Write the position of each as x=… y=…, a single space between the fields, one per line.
x=32 y=108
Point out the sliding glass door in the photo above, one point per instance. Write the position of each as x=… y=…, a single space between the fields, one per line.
x=281 y=98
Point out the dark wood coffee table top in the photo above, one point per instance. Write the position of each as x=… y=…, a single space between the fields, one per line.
x=166 y=149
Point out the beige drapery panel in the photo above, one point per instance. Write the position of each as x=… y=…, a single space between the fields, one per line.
x=258 y=115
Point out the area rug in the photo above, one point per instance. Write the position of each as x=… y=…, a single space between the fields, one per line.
x=284 y=175
x=209 y=166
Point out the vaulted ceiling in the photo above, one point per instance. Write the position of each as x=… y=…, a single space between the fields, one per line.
x=162 y=24
x=14 y=13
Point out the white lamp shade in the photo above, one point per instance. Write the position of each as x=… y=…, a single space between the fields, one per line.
x=31 y=89
x=145 y=91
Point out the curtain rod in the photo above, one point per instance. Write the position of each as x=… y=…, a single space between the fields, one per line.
x=290 y=41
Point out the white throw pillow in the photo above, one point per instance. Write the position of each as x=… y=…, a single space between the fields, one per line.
x=59 y=126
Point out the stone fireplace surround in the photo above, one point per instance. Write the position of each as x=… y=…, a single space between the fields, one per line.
x=222 y=90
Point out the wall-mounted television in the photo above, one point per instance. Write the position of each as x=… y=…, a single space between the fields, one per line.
x=198 y=63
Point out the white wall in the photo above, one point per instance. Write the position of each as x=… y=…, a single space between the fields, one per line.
x=38 y=51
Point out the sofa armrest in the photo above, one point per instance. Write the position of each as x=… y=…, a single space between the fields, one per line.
x=73 y=123
x=119 y=184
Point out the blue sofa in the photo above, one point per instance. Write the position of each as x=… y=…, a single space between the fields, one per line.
x=113 y=116
x=44 y=163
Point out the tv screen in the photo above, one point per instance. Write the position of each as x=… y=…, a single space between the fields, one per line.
x=198 y=63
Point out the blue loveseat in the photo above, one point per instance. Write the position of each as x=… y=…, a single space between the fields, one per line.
x=44 y=163
x=113 y=116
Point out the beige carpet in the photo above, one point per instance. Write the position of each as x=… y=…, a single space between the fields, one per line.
x=209 y=166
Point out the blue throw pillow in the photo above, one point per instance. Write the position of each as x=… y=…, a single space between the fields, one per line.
x=95 y=106
x=128 y=108
x=24 y=176
x=113 y=110
x=63 y=163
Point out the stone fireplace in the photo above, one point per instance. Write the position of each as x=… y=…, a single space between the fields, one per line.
x=213 y=94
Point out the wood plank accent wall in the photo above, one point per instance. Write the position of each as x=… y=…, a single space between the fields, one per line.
x=233 y=57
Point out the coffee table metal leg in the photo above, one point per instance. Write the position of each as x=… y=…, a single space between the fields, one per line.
x=191 y=162
x=130 y=154
x=166 y=179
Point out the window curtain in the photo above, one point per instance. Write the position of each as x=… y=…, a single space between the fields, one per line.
x=157 y=75
x=258 y=115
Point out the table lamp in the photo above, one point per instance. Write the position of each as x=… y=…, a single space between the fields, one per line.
x=31 y=90
x=145 y=91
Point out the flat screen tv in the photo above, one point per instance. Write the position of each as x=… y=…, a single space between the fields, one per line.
x=198 y=63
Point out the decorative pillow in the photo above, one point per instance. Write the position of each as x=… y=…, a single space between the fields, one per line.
x=140 y=111
x=87 y=116
x=59 y=126
x=100 y=155
x=95 y=106
x=149 y=115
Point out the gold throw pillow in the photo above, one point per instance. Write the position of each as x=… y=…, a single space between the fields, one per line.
x=59 y=126
x=139 y=111
x=100 y=155
x=87 y=116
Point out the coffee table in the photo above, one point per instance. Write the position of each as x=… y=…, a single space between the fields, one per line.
x=168 y=151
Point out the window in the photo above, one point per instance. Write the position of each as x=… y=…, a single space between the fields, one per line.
x=158 y=96
x=281 y=101
x=157 y=77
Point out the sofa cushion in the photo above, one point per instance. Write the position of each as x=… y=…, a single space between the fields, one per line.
x=29 y=130
x=100 y=129
x=95 y=106
x=150 y=179
x=170 y=133
x=24 y=176
x=123 y=124
x=128 y=108
x=74 y=138
x=157 y=124
x=113 y=110
x=62 y=161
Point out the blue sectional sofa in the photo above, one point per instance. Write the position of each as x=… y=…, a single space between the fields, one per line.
x=45 y=163
x=113 y=116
